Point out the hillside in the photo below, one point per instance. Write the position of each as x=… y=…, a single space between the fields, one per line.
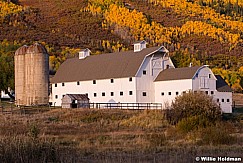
x=202 y=43
x=78 y=24
x=197 y=31
x=55 y=23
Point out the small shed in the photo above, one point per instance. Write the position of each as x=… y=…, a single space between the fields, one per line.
x=75 y=101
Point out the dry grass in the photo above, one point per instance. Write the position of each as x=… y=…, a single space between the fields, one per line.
x=94 y=132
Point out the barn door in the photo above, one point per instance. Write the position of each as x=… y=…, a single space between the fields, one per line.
x=204 y=82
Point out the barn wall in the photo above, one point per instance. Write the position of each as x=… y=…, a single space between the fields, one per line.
x=101 y=86
x=170 y=86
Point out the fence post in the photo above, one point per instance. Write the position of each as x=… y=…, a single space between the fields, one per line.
x=11 y=109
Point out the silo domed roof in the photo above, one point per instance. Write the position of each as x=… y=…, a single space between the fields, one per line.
x=36 y=48
x=22 y=50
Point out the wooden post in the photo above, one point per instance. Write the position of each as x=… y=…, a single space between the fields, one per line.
x=11 y=109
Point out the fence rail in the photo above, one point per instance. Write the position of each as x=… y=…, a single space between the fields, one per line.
x=126 y=105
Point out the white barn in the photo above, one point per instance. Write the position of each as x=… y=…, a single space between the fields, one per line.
x=174 y=82
x=129 y=77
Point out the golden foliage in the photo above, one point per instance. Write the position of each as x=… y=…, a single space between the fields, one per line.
x=8 y=8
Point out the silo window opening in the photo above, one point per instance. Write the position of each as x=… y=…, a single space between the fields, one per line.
x=112 y=80
x=55 y=85
x=130 y=79
x=56 y=96
x=78 y=83
x=94 y=81
x=63 y=84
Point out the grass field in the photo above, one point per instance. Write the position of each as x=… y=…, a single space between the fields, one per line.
x=111 y=135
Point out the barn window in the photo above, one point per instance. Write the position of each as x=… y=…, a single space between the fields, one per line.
x=94 y=81
x=78 y=83
x=130 y=79
x=63 y=96
x=169 y=93
x=204 y=82
x=112 y=93
x=144 y=94
x=95 y=94
x=130 y=92
x=177 y=93
x=56 y=96
x=222 y=100
x=55 y=85
x=209 y=75
x=206 y=92
x=121 y=93
x=63 y=84
x=144 y=72
x=212 y=92
x=137 y=47
x=228 y=100
x=112 y=80
x=103 y=93
x=217 y=100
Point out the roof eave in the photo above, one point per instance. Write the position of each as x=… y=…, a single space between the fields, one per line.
x=145 y=58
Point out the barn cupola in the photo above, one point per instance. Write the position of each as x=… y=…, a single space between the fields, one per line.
x=84 y=53
x=139 y=45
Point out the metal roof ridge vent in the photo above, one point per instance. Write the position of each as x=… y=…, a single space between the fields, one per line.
x=139 y=45
x=84 y=53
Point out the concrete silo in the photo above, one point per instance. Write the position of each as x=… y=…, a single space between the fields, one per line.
x=19 y=66
x=31 y=75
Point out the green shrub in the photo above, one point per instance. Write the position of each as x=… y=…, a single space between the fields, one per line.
x=193 y=104
x=34 y=131
x=216 y=135
x=156 y=139
x=53 y=119
x=192 y=123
